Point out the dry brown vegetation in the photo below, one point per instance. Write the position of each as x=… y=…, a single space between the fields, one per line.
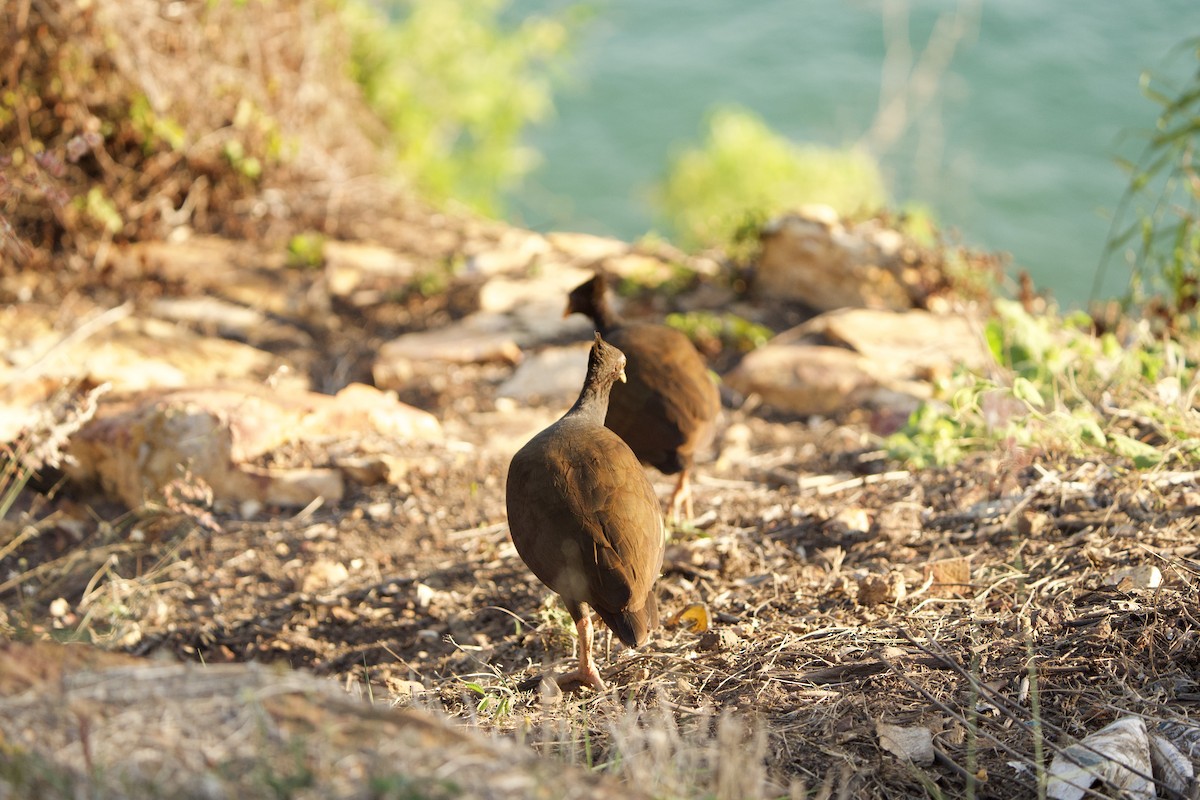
x=128 y=121
x=990 y=604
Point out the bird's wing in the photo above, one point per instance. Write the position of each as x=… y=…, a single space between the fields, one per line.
x=670 y=402
x=586 y=519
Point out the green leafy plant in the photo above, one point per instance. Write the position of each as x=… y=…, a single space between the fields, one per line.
x=727 y=328
x=495 y=702
x=100 y=208
x=719 y=193
x=1058 y=386
x=650 y=280
x=1156 y=228
x=154 y=129
x=306 y=250
x=456 y=88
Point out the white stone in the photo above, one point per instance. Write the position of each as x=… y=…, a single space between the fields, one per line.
x=554 y=375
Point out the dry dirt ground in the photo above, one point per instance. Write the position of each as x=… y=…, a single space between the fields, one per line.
x=983 y=603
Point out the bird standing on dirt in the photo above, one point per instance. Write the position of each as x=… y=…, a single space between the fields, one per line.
x=585 y=518
x=668 y=409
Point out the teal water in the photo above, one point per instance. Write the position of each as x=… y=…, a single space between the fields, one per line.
x=1015 y=152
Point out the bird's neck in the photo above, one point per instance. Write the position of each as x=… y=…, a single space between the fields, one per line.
x=605 y=318
x=592 y=403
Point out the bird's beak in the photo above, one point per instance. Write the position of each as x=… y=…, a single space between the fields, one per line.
x=622 y=377
x=567 y=311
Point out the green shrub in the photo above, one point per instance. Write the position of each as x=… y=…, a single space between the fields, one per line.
x=743 y=173
x=455 y=88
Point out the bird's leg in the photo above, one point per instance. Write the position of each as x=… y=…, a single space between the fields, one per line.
x=681 y=495
x=586 y=672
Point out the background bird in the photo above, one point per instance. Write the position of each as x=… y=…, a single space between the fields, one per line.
x=584 y=517
x=667 y=411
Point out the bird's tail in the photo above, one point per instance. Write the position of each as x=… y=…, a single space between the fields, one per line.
x=633 y=626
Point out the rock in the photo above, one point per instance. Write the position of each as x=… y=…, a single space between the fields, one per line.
x=552 y=376
x=534 y=305
x=719 y=639
x=585 y=247
x=515 y=251
x=1138 y=576
x=139 y=447
x=131 y=353
x=853 y=519
x=804 y=379
x=229 y=320
x=210 y=312
x=324 y=575
x=137 y=451
x=236 y=271
x=950 y=577
x=349 y=264
x=909 y=744
x=512 y=424
x=344 y=416
x=814 y=258
x=198 y=260
x=479 y=338
x=548 y=289
x=885 y=362
x=913 y=344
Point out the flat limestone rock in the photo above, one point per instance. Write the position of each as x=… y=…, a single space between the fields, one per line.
x=478 y=339
x=546 y=292
x=229 y=320
x=804 y=379
x=345 y=413
x=552 y=375
x=906 y=344
x=514 y=252
x=349 y=264
x=138 y=447
x=859 y=357
x=114 y=346
x=43 y=349
x=587 y=246
x=240 y=272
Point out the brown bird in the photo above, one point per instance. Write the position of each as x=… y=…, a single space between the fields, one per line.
x=584 y=517
x=667 y=410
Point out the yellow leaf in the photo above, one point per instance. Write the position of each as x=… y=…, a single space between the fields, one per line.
x=695 y=616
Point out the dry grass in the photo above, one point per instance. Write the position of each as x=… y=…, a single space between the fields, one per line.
x=149 y=119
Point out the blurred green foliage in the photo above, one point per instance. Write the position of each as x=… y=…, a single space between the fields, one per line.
x=1057 y=386
x=456 y=88
x=1156 y=228
x=719 y=193
x=306 y=250
x=726 y=328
